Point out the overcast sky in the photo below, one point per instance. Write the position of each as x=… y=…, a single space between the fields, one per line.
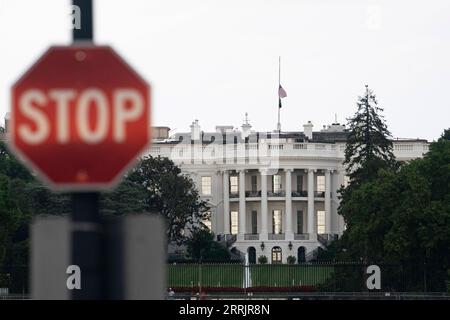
x=215 y=60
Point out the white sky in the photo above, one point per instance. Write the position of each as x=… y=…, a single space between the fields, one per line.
x=216 y=60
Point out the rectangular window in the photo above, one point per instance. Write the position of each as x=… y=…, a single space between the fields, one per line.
x=234 y=185
x=206 y=186
x=299 y=183
x=207 y=222
x=254 y=183
x=299 y=221
x=276 y=183
x=234 y=222
x=276 y=222
x=320 y=183
x=320 y=222
x=254 y=222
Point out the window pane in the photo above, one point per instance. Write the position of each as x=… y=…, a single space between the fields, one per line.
x=321 y=183
x=299 y=221
x=276 y=255
x=299 y=183
x=234 y=222
x=276 y=183
x=206 y=186
x=320 y=222
x=254 y=184
x=276 y=222
x=234 y=187
x=254 y=222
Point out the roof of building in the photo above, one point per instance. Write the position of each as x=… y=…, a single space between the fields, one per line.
x=296 y=136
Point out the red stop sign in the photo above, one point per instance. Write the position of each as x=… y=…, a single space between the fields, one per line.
x=80 y=117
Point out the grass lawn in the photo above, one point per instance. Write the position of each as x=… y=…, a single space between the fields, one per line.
x=212 y=275
x=289 y=275
x=229 y=275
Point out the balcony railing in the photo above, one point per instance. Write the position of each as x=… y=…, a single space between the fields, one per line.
x=301 y=236
x=276 y=236
x=253 y=194
x=276 y=194
x=319 y=194
x=327 y=238
x=234 y=194
x=251 y=236
x=302 y=193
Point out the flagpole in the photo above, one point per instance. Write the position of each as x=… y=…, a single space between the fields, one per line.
x=279 y=99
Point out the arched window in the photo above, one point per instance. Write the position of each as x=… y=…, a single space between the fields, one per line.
x=276 y=255
x=301 y=254
x=251 y=254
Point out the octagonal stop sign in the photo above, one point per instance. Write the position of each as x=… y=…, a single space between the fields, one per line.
x=80 y=117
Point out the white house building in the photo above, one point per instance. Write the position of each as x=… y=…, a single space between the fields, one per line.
x=270 y=193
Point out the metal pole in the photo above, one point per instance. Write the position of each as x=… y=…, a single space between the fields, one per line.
x=279 y=99
x=87 y=231
x=86 y=30
x=87 y=245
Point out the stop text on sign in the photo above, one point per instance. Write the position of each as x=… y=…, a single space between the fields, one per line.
x=95 y=114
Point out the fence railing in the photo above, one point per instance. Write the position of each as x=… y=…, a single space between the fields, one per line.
x=303 y=277
x=316 y=277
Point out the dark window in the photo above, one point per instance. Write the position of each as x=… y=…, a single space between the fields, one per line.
x=299 y=221
x=252 y=255
x=299 y=183
x=254 y=183
x=301 y=254
x=254 y=222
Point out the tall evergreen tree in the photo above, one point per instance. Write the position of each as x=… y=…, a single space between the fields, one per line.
x=369 y=147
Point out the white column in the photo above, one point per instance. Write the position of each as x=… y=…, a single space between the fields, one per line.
x=289 y=235
x=226 y=203
x=312 y=229
x=263 y=232
x=241 y=205
x=327 y=201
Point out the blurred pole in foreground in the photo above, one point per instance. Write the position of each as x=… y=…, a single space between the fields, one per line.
x=84 y=256
x=87 y=247
x=85 y=32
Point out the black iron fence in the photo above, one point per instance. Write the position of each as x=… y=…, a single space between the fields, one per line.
x=312 y=277
x=14 y=280
x=305 y=277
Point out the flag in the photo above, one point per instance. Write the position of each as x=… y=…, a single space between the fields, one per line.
x=281 y=94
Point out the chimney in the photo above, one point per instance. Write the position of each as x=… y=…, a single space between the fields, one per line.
x=308 y=130
x=246 y=127
x=195 y=131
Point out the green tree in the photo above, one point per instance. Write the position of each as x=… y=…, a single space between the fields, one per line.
x=368 y=150
x=368 y=145
x=9 y=216
x=202 y=247
x=157 y=186
x=403 y=217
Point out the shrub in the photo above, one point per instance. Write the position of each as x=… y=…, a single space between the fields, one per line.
x=291 y=260
x=262 y=259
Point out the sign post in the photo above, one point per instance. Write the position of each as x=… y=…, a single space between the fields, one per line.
x=80 y=118
x=85 y=206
